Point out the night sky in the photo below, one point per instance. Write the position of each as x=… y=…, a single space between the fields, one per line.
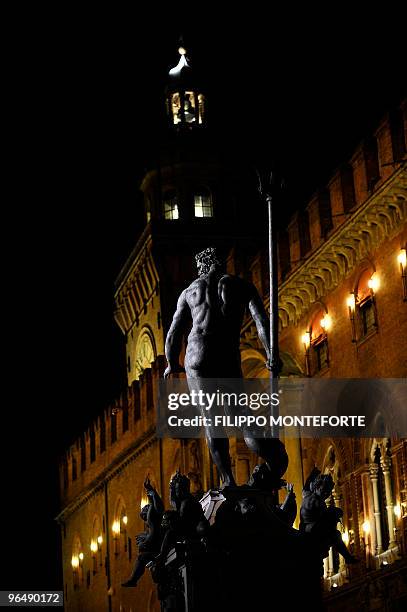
x=87 y=98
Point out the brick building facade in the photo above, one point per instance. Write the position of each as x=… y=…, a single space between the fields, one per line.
x=343 y=314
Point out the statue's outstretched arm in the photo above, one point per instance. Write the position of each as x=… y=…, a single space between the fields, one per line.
x=174 y=336
x=260 y=318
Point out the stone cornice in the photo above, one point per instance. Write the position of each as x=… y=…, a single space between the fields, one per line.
x=137 y=283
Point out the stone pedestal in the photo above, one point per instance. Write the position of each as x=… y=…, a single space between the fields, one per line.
x=251 y=559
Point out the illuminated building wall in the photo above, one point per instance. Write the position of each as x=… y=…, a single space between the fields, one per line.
x=343 y=313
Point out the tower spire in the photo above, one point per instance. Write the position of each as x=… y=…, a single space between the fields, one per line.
x=185 y=100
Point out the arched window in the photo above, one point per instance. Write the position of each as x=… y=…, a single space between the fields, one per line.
x=362 y=306
x=366 y=304
x=119 y=528
x=315 y=342
x=96 y=545
x=319 y=342
x=203 y=203
x=145 y=353
x=383 y=528
x=170 y=205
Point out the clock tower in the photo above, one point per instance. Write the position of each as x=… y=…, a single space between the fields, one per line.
x=195 y=196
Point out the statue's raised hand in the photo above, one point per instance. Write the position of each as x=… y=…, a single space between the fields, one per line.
x=147 y=485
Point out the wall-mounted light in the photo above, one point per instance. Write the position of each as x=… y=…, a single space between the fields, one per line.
x=116 y=534
x=351 y=304
x=94 y=546
x=345 y=538
x=366 y=527
x=373 y=283
x=402 y=259
x=397 y=511
x=124 y=530
x=100 y=540
x=326 y=323
x=116 y=528
x=75 y=562
x=306 y=342
x=80 y=556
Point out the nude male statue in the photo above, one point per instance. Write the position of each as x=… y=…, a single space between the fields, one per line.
x=216 y=302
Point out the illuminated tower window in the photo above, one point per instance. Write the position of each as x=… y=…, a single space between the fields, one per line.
x=203 y=204
x=185 y=103
x=170 y=203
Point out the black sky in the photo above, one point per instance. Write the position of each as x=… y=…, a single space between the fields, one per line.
x=87 y=97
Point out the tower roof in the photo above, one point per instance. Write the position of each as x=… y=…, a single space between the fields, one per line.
x=182 y=74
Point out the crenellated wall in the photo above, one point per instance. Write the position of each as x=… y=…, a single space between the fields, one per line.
x=125 y=423
x=375 y=160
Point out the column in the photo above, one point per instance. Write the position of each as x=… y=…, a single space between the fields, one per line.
x=326 y=567
x=374 y=476
x=331 y=570
x=386 y=467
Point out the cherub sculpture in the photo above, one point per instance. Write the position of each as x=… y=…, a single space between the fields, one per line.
x=319 y=520
x=192 y=521
x=149 y=542
x=262 y=479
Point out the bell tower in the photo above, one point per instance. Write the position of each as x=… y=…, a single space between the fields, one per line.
x=185 y=100
x=195 y=195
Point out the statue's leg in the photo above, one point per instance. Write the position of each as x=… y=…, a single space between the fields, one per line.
x=219 y=449
x=138 y=570
x=218 y=444
x=272 y=450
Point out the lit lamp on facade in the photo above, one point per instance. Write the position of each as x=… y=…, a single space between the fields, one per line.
x=365 y=539
x=306 y=341
x=345 y=537
x=374 y=283
x=99 y=544
x=397 y=511
x=116 y=534
x=326 y=323
x=75 y=570
x=94 y=550
x=351 y=304
x=124 y=524
x=402 y=259
x=366 y=527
